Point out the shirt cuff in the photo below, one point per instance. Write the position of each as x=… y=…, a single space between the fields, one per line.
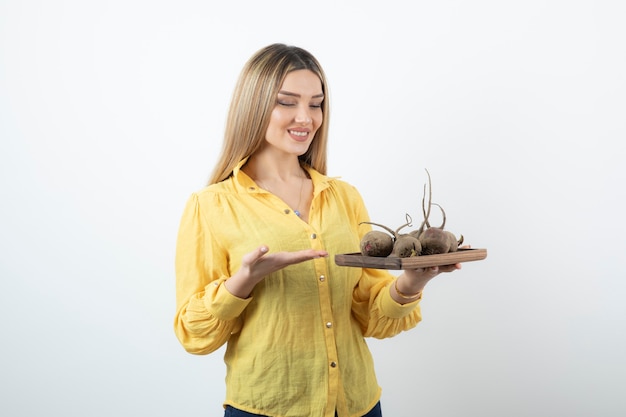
x=391 y=308
x=223 y=305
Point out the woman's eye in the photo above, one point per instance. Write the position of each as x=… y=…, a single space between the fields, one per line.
x=293 y=104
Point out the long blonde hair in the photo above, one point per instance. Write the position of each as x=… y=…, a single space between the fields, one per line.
x=254 y=99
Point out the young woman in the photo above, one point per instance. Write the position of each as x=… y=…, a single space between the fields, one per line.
x=254 y=264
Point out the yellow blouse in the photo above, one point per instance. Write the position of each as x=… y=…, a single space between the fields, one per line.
x=296 y=347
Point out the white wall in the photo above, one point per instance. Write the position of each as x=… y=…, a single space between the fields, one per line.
x=111 y=113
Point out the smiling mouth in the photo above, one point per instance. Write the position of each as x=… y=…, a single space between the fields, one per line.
x=301 y=134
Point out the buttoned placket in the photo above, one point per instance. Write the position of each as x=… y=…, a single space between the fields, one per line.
x=321 y=272
x=327 y=320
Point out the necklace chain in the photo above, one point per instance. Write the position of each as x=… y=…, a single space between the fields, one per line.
x=297 y=209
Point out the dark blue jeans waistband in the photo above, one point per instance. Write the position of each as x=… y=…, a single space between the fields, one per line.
x=235 y=412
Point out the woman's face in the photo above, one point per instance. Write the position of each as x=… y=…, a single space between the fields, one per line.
x=297 y=114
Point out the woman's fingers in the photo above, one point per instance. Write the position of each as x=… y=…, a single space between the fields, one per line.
x=278 y=260
x=252 y=257
x=290 y=258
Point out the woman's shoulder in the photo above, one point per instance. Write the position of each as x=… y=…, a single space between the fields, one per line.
x=335 y=182
x=343 y=186
x=342 y=190
x=214 y=192
x=223 y=187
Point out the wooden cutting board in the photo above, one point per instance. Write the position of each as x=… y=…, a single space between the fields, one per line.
x=414 y=262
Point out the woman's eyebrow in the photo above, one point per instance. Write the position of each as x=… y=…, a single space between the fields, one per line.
x=287 y=93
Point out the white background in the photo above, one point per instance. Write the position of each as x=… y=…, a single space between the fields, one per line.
x=112 y=113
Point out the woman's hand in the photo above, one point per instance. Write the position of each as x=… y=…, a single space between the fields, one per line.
x=409 y=285
x=258 y=264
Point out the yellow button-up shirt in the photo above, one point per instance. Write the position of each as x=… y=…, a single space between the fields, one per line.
x=296 y=346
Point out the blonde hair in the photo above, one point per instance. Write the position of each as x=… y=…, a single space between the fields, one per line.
x=254 y=99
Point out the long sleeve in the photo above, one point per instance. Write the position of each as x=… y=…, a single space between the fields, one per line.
x=207 y=314
x=379 y=315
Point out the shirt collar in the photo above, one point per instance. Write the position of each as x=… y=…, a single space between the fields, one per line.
x=246 y=184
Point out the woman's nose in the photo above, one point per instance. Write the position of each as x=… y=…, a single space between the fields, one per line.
x=303 y=116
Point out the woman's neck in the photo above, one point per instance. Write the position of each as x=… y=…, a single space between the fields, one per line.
x=264 y=167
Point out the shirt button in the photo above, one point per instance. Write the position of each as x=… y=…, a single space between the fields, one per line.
x=329 y=325
x=287 y=211
x=333 y=364
x=313 y=236
x=322 y=278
